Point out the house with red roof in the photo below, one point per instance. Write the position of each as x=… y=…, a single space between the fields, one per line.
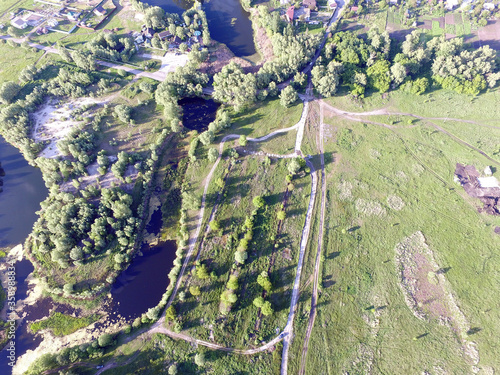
x=290 y=13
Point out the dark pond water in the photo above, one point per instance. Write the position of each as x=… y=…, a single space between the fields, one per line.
x=23 y=190
x=142 y=285
x=197 y=113
x=228 y=22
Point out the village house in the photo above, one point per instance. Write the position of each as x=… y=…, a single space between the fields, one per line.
x=176 y=41
x=303 y=14
x=332 y=4
x=164 y=35
x=33 y=19
x=72 y=16
x=148 y=32
x=290 y=13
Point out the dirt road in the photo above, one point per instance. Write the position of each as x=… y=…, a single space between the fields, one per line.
x=317 y=265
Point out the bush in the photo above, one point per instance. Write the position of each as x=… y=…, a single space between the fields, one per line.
x=105 y=340
x=194 y=290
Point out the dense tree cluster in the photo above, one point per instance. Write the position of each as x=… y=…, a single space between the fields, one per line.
x=185 y=81
x=359 y=64
x=112 y=47
x=232 y=85
x=183 y=26
x=71 y=229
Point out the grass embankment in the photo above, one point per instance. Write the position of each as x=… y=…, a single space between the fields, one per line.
x=200 y=314
x=158 y=353
x=383 y=187
x=61 y=324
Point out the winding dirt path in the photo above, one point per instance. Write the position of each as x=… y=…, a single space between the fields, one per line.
x=314 y=298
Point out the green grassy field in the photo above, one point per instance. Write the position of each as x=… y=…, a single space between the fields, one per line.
x=265 y=117
x=244 y=182
x=363 y=323
x=23 y=58
x=242 y=185
x=156 y=354
x=62 y=325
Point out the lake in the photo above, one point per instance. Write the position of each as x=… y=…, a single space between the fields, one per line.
x=23 y=190
x=228 y=22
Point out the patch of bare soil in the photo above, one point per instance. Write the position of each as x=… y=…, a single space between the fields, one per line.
x=222 y=56
x=107 y=180
x=490 y=196
x=427 y=292
x=54 y=120
x=264 y=44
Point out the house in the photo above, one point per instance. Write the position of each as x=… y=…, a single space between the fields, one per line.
x=303 y=14
x=284 y=2
x=148 y=32
x=311 y=4
x=42 y=30
x=176 y=40
x=18 y=23
x=99 y=11
x=52 y=22
x=139 y=39
x=164 y=35
x=72 y=16
x=354 y=9
x=290 y=13
x=332 y=4
x=489 y=6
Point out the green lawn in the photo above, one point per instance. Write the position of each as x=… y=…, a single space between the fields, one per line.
x=264 y=117
x=363 y=322
x=22 y=57
x=62 y=324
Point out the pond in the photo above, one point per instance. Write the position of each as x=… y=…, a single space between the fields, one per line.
x=23 y=190
x=142 y=285
x=228 y=22
x=197 y=113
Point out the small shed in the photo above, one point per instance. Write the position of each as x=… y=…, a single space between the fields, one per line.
x=148 y=32
x=311 y=4
x=99 y=11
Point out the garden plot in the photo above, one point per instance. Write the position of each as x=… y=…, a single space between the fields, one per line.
x=54 y=120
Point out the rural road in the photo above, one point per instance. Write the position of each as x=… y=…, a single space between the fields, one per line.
x=295 y=293
x=314 y=298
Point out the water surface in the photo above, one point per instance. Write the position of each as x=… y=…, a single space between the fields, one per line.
x=228 y=22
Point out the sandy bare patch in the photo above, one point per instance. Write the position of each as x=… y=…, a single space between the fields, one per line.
x=54 y=120
x=369 y=208
x=345 y=191
x=375 y=154
x=426 y=291
x=107 y=180
x=222 y=56
x=395 y=203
